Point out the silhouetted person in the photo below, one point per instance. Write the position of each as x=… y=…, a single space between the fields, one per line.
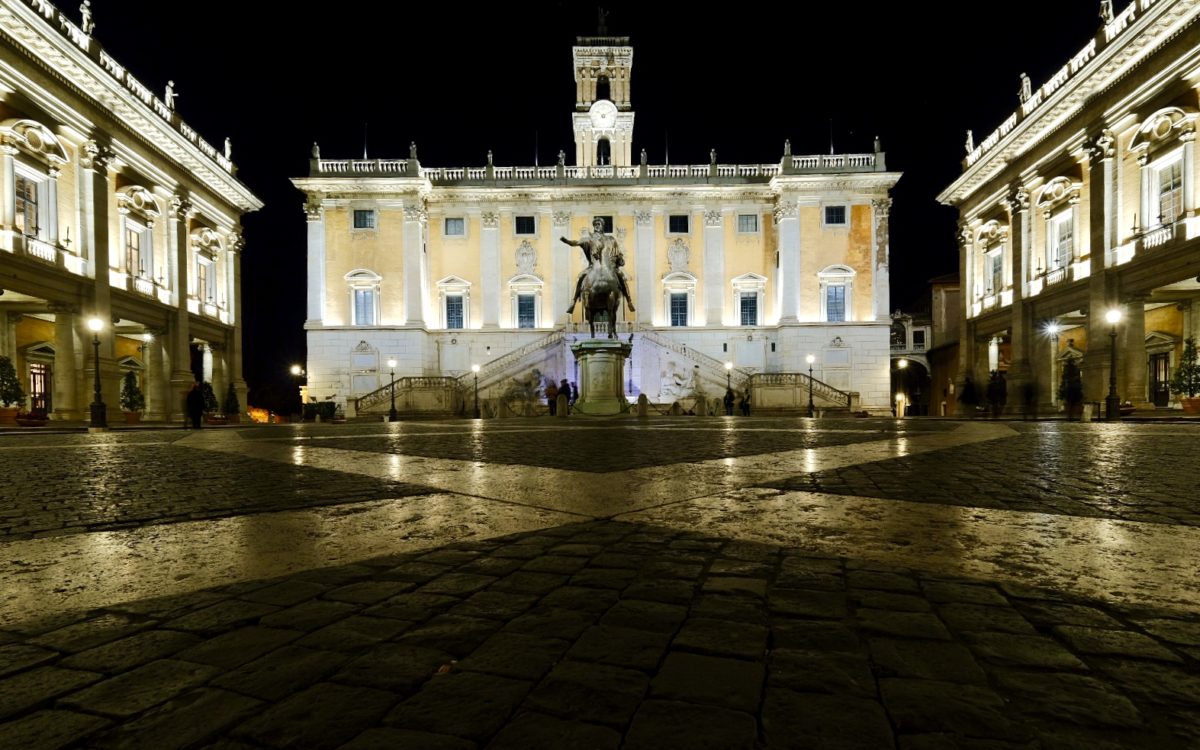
x=729 y=402
x=1029 y=400
x=195 y=405
x=997 y=393
x=969 y=396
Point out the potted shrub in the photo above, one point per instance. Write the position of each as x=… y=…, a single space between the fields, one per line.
x=36 y=417
x=1186 y=380
x=12 y=396
x=212 y=414
x=233 y=408
x=132 y=399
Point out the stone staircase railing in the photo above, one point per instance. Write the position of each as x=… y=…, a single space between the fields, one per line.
x=499 y=367
x=795 y=387
x=712 y=368
x=403 y=385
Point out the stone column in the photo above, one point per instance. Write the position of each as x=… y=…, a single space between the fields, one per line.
x=157 y=378
x=179 y=330
x=8 y=182
x=880 y=268
x=564 y=280
x=1101 y=281
x=489 y=276
x=214 y=361
x=967 y=354
x=714 y=268
x=1020 y=372
x=1133 y=364
x=68 y=356
x=644 y=239
x=316 y=262
x=1189 y=175
x=234 y=343
x=94 y=160
x=51 y=213
x=787 y=217
x=414 y=282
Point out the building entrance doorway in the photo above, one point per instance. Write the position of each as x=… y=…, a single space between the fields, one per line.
x=41 y=387
x=1160 y=370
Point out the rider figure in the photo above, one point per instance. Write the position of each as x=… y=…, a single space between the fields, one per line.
x=594 y=247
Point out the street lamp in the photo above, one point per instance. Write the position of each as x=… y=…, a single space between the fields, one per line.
x=728 y=370
x=1112 y=404
x=810 y=359
x=99 y=410
x=297 y=370
x=392 y=416
x=475 y=369
x=1052 y=330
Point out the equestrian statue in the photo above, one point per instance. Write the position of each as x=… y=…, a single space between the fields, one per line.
x=602 y=284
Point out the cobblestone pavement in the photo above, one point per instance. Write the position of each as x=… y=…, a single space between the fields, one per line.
x=705 y=583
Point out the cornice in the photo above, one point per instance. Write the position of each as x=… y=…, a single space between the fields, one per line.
x=63 y=59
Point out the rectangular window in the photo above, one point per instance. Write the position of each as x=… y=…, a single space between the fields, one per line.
x=918 y=340
x=364 y=307
x=835 y=216
x=1062 y=239
x=364 y=218
x=525 y=225
x=133 y=250
x=454 y=311
x=677 y=223
x=27 y=206
x=526 y=311
x=205 y=280
x=679 y=311
x=748 y=302
x=456 y=227
x=608 y=223
x=747 y=223
x=1170 y=192
x=996 y=271
x=835 y=303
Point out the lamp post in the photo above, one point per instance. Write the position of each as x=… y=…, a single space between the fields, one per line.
x=1053 y=328
x=810 y=359
x=475 y=369
x=392 y=416
x=1112 y=404
x=728 y=370
x=99 y=410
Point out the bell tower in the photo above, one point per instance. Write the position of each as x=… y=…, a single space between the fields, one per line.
x=603 y=118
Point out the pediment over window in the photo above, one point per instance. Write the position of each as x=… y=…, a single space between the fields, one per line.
x=207 y=240
x=991 y=233
x=679 y=278
x=40 y=349
x=363 y=276
x=454 y=281
x=1162 y=127
x=836 y=270
x=525 y=281
x=1158 y=342
x=138 y=199
x=750 y=279
x=1059 y=191
x=35 y=138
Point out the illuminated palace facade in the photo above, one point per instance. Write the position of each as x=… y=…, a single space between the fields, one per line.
x=112 y=208
x=757 y=265
x=1084 y=202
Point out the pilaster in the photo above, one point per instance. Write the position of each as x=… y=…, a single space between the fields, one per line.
x=489 y=258
x=880 y=268
x=414 y=250
x=315 y=216
x=714 y=268
x=787 y=217
x=644 y=241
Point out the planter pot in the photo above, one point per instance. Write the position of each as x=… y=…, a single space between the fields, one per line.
x=133 y=417
x=1190 y=405
x=8 y=414
x=233 y=418
x=31 y=421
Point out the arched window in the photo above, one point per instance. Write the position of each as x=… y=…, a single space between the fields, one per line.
x=1163 y=145
x=139 y=209
x=364 y=297
x=837 y=287
x=603 y=152
x=602 y=88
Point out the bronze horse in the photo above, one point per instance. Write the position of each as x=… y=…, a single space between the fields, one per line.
x=601 y=293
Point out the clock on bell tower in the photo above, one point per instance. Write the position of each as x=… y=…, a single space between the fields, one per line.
x=603 y=118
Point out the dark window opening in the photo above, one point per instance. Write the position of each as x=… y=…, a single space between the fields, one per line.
x=603 y=152
x=525 y=225
x=677 y=223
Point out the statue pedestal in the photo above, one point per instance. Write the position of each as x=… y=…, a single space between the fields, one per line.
x=601 y=377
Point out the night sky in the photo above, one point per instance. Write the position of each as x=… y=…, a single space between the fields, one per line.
x=459 y=81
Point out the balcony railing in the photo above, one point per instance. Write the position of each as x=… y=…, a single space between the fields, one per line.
x=41 y=250
x=1158 y=237
x=1055 y=275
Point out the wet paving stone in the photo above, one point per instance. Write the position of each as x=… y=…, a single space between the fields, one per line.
x=613 y=634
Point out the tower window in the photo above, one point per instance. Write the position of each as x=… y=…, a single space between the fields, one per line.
x=603 y=152
x=602 y=88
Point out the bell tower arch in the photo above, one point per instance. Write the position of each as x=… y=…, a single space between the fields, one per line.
x=603 y=117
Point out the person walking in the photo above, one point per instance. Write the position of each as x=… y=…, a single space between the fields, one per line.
x=195 y=406
x=969 y=397
x=552 y=398
x=729 y=402
x=564 y=390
